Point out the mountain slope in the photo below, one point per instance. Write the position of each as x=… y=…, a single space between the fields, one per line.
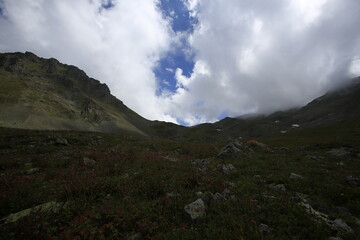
x=333 y=107
x=37 y=93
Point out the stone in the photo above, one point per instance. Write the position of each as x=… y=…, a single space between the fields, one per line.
x=233 y=148
x=233 y=198
x=226 y=168
x=264 y=229
x=219 y=197
x=172 y=195
x=295 y=176
x=207 y=197
x=89 y=162
x=257 y=143
x=353 y=181
x=278 y=187
x=62 y=141
x=201 y=162
x=338 y=152
x=29 y=165
x=53 y=207
x=340 y=225
x=32 y=171
x=335 y=238
x=196 y=210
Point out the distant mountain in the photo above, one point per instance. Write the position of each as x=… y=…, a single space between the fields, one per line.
x=334 y=107
x=38 y=93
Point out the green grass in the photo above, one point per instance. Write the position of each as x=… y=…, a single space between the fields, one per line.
x=127 y=191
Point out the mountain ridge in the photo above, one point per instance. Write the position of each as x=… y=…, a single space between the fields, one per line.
x=44 y=94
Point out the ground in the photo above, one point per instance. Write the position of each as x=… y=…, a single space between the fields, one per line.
x=106 y=186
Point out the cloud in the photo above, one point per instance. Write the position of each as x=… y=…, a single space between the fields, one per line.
x=117 y=42
x=251 y=56
x=258 y=57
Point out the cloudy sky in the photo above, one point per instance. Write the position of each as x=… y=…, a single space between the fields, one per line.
x=193 y=61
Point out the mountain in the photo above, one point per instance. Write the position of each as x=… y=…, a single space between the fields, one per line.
x=334 y=107
x=38 y=93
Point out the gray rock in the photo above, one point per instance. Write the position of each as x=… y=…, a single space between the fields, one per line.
x=89 y=162
x=207 y=197
x=32 y=171
x=29 y=165
x=219 y=197
x=340 y=225
x=295 y=176
x=201 y=162
x=196 y=209
x=62 y=141
x=233 y=198
x=335 y=238
x=338 y=152
x=53 y=207
x=353 y=181
x=233 y=148
x=226 y=168
x=264 y=229
x=278 y=187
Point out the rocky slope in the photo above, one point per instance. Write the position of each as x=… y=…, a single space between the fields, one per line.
x=37 y=93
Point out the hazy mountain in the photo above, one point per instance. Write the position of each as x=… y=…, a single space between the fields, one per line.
x=38 y=93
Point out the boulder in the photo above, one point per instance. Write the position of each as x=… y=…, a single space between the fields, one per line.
x=340 y=225
x=53 y=207
x=226 y=168
x=264 y=229
x=233 y=148
x=32 y=171
x=207 y=197
x=339 y=152
x=89 y=162
x=353 y=181
x=62 y=141
x=195 y=210
x=278 y=187
x=295 y=176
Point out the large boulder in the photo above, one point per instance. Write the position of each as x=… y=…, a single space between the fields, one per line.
x=234 y=148
x=195 y=210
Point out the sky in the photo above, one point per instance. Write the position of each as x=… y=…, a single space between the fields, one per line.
x=195 y=61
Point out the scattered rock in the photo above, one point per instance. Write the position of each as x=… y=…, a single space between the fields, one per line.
x=233 y=198
x=89 y=162
x=353 y=181
x=32 y=171
x=234 y=148
x=335 y=238
x=316 y=158
x=278 y=187
x=62 y=141
x=226 y=168
x=295 y=176
x=340 y=225
x=264 y=229
x=201 y=162
x=219 y=197
x=340 y=164
x=196 y=209
x=29 y=165
x=53 y=207
x=339 y=152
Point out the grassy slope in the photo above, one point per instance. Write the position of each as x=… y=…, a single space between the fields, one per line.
x=139 y=172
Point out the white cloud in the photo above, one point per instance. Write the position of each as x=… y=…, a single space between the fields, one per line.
x=250 y=55
x=263 y=56
x=119 y=46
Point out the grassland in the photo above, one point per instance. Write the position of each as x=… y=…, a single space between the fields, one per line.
x=137 y=187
